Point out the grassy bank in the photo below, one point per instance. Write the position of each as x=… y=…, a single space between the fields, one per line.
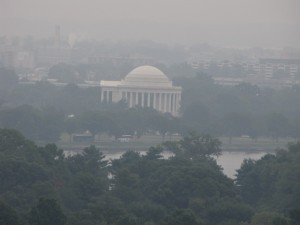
x=106 y=144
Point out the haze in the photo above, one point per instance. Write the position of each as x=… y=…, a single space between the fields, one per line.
x=267 y=23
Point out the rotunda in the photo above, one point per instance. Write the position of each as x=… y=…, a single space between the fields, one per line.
x=147 y=76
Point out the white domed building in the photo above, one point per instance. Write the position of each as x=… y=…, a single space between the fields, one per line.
x=144 y=86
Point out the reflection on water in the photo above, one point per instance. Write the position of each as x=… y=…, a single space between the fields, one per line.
x=229 y=161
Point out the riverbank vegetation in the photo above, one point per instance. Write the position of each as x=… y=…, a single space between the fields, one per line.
x=40 y=185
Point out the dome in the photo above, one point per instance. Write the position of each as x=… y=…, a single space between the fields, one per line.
x=147 y=76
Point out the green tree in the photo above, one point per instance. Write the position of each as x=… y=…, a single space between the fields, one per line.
x=268 y=218
x=8 y=82
x=228 y=211
x=98 y=122
x=52 y=154
x=47 y=212
x=277 y=125
x=8 y=216
x=182 y=217
x=51 y=125
x=272 y=182
x=64 y=73
x=237 y=124
x=24 y=118
x=10 y=139
x=198 y=117
x=195 y=145
x=294 y=216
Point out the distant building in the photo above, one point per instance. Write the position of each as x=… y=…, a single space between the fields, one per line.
x=17 y=59
x=125 y=138
x=7 y=58
x=145 y=86
x=50 y=56
x=119 y=60
x=269 y=66
x=54 y=54
x=83 y=137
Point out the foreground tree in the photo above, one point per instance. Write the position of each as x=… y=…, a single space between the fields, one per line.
x=294 y=216
x=146 y=189
x=47 y=212
x=273 y=181
x=189 y=187
x=8 y=216
x=268 y=218
x=182 y=217
x=194 y=145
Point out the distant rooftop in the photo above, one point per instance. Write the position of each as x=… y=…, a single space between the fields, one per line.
x=279 y=61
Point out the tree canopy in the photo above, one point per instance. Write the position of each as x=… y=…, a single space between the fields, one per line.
x=40 y=185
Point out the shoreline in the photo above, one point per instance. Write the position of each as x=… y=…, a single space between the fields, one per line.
x=236 y=144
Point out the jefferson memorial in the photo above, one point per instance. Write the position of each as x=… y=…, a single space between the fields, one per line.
x=144 y=86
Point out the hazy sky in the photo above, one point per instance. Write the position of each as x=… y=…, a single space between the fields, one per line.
x=228 y=22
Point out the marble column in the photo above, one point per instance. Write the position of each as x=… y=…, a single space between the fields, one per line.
x=161 y=96
x=154 y=100
x=173 y=104
x=148 y=99
x=110 y=96
x=136 y=98
x=143 y=96
x=102 y=97
x=131 y=99
x=169 y=102
x=177 y=102
x=165 y=103
x=128 y=98
x=159 y=102
x=162 y=102
x=105 y=96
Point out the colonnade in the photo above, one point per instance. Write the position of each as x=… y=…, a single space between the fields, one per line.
x=163 y=101
x=106 y=96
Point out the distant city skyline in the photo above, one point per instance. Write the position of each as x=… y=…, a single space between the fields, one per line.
x=266 y=23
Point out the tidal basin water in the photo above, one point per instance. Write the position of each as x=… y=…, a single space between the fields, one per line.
x=230 y=161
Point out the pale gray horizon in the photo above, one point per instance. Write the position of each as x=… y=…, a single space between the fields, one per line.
x=247 y=23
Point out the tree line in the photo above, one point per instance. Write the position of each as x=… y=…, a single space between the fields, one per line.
x=48 y=124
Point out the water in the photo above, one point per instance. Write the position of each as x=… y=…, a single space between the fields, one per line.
x=229 y=161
